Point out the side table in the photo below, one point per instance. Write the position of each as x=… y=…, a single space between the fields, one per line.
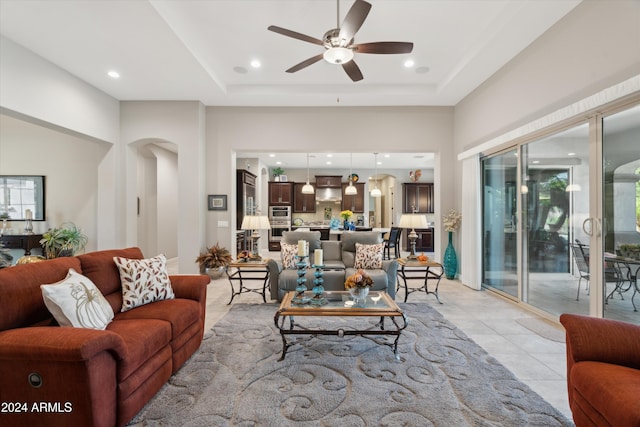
x=248 y=271
x=414 y=269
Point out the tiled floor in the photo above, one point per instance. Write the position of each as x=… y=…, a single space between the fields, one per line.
x=490 y=320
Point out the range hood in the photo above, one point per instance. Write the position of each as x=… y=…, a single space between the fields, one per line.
x=328 y=194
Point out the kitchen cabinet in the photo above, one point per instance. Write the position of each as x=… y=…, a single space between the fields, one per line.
x=245 y=195
x=303 y=203
x=328 y=181
x=354 y=203
x=418 y=196
x=424 y=242
x=280 y=193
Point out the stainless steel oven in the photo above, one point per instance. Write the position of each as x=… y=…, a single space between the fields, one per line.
x=280 y=213
x=280 y=221
x=275 y=233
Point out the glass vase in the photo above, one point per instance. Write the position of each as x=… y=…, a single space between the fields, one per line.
x=450 y=261
x=359 y=295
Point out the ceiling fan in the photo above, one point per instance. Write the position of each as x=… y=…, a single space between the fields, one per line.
x=339 y=43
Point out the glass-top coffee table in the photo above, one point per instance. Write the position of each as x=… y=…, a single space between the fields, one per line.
x=339 y=304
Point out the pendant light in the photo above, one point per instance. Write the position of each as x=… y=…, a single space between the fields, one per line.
x=351 y=190
x=307 y=188
x=376 y=192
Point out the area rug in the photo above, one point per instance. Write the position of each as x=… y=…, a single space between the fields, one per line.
x=442 y=379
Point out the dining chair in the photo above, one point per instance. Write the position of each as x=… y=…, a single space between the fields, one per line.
x=392 y=241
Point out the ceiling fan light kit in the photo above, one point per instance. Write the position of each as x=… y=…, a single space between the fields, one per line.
x=339 y=42
x=338 y=55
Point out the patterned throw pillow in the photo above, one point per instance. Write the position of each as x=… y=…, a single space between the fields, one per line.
x=288 y=253
x=76 y=301
x=368 y=256
x=143 y=281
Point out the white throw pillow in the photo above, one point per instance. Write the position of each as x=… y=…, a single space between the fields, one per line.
x=143 y=281
x=76 y=301
x=368 y=256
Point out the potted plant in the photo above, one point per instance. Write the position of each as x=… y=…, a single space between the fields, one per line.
x=214 y=261
x=277 y=172
x=61 y=241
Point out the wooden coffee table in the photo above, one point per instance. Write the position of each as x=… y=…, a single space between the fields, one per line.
x=338 y=306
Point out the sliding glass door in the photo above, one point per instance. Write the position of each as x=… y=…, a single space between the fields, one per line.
x=621 y=215
x=561 y=219
x=555 y=203
x=499 y=238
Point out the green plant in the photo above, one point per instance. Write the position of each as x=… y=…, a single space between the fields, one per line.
x=214 y=257
x=65 y=240
x=278 y=171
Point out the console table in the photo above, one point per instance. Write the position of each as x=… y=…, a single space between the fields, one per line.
x=21 y=241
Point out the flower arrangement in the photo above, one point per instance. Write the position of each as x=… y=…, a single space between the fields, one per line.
x=358 y=280
x=451 y=220
x=346 y=214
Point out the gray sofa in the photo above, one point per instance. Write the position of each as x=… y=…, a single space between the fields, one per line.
x=339 y=257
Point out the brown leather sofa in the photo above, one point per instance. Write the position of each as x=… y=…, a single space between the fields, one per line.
x=603 y=371
x=88 y=377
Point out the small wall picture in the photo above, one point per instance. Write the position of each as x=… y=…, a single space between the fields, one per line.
x=283 y=178
x=327 y=213
x=218 y=202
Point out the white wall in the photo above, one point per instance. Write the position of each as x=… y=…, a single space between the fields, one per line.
x=396 y=129
x=593 y=47
x=181 y=123
x=70 y=165
x=35 y=88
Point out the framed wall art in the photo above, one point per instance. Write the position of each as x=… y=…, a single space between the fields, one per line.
x=217 y=202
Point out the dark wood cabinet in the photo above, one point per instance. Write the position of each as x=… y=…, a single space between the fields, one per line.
x=25 y=242
x=245 y=195
x=303 y=203
x=424 y=242
x=328 y=181
x=280 y=193
x=418 y=196
x=354 y=203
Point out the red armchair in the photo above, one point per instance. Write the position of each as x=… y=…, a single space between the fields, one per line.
x=603 y=371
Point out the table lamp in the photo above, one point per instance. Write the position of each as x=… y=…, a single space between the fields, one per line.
x=255 y=223
x=413 y=221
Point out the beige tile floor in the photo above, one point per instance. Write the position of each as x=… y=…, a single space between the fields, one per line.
x=488 y=319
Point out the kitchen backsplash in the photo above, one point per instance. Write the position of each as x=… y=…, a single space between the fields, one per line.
x=326 y=210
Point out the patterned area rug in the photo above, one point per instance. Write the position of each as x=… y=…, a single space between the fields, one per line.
x=442 y=379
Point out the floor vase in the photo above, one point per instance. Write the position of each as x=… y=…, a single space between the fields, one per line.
x=450 y=262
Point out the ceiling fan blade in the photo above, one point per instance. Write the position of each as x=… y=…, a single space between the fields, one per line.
x=295 y=35
x=353 y=71
x=305 y=63
x=384 y=47
x=354 y=20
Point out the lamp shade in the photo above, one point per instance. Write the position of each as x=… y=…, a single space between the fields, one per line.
x=376 y=192
x=255 y=222
x=307 y=189
x=351 y=190
x=413 y=221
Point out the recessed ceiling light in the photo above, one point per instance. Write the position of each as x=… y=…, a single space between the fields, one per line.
x=256 y=64
x=329 y=155
x=409 y=63
x=278 y=162
x=571 y=154
x=328 y=163
x=535 y=162
x=113 y=74
x=387 y=155
x=272 y=155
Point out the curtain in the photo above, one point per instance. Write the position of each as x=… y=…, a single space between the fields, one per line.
x=470 y=229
